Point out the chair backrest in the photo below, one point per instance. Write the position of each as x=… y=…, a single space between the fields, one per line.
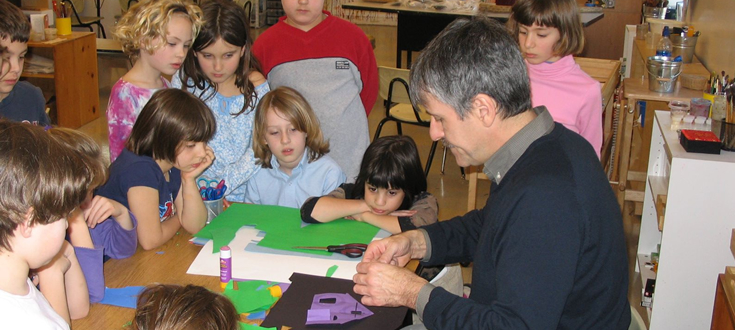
x=248 y=6
x=385 y=76
x=126 y=4
x=77 y=6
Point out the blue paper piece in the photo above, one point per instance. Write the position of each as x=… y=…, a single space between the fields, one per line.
x=122 y=297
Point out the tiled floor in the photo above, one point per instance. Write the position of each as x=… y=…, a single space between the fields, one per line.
x=449 y=188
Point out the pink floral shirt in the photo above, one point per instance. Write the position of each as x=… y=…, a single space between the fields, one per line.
x=126 y=101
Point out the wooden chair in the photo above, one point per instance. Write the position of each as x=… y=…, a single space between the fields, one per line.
x=126 y=4
x=86 y=21
x=248 y=6
x=398 y=106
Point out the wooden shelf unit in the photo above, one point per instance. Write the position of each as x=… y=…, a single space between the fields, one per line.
x=75 y=83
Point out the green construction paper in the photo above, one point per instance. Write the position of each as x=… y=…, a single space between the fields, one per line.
x=283 y=229
x=222 y=237
x=331 y=270
x=248 y=298
x=245 y=326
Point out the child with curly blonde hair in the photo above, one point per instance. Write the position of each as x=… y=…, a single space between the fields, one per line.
x=157 y=36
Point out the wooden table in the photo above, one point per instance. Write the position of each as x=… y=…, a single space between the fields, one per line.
x=166 y=264
x=417 y=26
x=75 y=84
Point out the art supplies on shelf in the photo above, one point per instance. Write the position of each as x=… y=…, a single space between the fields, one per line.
x=38 y=64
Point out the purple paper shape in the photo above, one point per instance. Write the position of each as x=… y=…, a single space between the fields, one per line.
x=335 y=308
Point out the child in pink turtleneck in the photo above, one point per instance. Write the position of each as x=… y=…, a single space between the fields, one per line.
x=549 y=33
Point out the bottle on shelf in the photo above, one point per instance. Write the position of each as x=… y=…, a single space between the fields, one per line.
x=664 y=45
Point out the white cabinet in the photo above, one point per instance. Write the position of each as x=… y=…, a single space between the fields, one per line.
x=695 y=237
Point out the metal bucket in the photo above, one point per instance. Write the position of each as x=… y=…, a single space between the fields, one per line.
x=684 y=47
x=662 y=73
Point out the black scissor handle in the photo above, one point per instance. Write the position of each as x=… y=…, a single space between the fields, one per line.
x=352 y=253
x=354 y=250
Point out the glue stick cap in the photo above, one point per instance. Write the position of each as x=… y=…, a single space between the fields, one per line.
x=225 y=252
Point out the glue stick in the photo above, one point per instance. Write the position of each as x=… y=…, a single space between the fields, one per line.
x=225 y=266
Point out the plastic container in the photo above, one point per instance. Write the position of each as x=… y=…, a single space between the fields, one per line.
x=640 y=31
x=683 y=47
x=657 y=27
x=653 y=12
x=678 y=110
x=49 y=33
x=662 y=73
x=726 y=134
x=214 y=208
x=63 y=26
x=700 y=107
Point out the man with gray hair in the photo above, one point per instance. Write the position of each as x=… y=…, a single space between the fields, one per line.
x=548 y=247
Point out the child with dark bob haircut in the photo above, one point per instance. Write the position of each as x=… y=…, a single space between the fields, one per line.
x=155 y=176
x=390 y=190
x=549 y=33
x=191 y=307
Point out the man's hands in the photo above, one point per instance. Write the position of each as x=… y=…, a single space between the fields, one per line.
x=381 y=278
x=387 y=285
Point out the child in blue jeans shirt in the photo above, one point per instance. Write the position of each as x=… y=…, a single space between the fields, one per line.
x=19 y=100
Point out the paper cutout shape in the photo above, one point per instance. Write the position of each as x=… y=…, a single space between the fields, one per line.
x=291 y=309
x=335 y=308
x=284 y=228
x=331 y=270
x=221 y=237
x=122 y=297
x=251 y=296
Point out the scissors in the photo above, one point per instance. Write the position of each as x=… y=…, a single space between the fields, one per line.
x=211 y=194
x=354 y=250
x=207 y=183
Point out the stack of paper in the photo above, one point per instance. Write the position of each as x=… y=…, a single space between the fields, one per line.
x=38 y=64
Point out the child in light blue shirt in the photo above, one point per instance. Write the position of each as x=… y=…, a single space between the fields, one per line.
x=291 y=149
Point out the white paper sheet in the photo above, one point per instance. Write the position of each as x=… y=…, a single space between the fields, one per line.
x=268 y=266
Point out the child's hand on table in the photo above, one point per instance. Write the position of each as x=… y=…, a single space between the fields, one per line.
x=60 y=263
